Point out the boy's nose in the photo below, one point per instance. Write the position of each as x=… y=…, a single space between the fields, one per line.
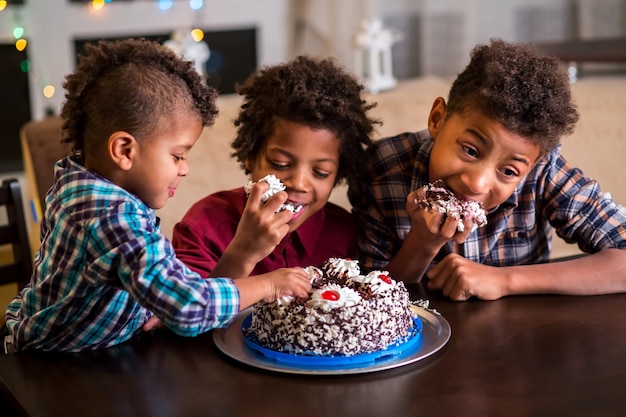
x=478 y=181
x=184 y=169
x=298 y=180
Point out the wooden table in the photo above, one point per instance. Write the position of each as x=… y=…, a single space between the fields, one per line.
x=519 y=356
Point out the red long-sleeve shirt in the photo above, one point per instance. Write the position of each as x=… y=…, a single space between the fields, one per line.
x=205 y=231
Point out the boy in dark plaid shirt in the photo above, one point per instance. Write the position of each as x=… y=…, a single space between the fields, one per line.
x=496 y=141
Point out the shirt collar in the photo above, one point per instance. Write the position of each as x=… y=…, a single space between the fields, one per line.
x=70 y=172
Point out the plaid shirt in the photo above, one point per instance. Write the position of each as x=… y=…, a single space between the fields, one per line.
x=553 y=195
x=104 y=268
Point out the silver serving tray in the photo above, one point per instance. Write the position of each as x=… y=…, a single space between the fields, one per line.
x=435 y=334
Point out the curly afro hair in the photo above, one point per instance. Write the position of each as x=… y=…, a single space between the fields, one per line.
x=526 y=91
x=131 y=85
x=317 y=93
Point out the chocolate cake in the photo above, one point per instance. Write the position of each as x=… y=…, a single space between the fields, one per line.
x=346 y=314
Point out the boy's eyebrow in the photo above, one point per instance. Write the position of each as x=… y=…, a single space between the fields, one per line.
x=290 y=155
x=522 y=160
x=184 y=147
x=484 y=139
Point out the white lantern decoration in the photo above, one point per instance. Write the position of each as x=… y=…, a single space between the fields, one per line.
x=185 y=46
x=373 y=55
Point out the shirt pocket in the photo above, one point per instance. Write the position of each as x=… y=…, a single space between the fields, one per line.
x=523 y=240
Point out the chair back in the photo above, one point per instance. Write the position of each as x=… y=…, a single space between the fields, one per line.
x=41 y=148
x=13 y=235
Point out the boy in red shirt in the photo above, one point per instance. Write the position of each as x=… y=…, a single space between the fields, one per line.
x=305 y=122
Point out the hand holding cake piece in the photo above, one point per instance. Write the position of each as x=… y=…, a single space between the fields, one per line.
x=275 y=186
x=436 y=196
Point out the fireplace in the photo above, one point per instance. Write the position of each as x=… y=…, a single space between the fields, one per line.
x=233 y=54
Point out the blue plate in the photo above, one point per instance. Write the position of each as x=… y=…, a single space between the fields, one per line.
x=395 y=351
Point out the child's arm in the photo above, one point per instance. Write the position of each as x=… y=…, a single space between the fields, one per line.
x=601 y=273
x=268 y=287
x=258 y=232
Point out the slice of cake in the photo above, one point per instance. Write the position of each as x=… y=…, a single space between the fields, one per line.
x=436 y=196
x=275 y=186
x=346 y=314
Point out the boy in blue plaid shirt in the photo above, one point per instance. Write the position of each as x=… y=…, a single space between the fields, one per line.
x=496 y=141
x=104 y=271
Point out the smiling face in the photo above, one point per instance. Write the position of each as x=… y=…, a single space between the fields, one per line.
x=305 y=160
x=160 y=162
x=476 y=156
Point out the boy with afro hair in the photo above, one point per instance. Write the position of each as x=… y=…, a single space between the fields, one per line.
x=495 y=141
x=305 y=122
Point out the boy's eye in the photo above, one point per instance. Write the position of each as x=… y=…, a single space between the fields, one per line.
x=278 y=166
x=178 y=158
x=509 y=172
x=470 y=151
x=320 y=174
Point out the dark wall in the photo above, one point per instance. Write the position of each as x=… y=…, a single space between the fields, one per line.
x=14 y=106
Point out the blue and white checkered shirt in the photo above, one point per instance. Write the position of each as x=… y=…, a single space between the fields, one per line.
x=553 y=196
x=104 y=268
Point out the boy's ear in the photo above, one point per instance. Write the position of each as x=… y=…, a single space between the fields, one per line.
x=122 y=148
x=437 y=116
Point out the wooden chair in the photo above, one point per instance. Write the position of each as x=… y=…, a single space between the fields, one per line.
x=13 y=235
x=41 y=149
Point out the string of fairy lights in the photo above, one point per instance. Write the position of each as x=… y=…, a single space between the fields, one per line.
x=19 y=34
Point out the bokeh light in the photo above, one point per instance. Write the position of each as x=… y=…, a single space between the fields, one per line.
x=25 y=65
x=196 y=4
x=165 y=4
x=97 y=4
x=3 y=5
x=20 y=44
x=48 y=91
x=197 y=34
x=18 y=32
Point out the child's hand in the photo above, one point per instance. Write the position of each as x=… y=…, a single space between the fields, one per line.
x=260 y=228
x=460 y=279
x=272 y=285
x=286 y=281
x=152 y=323
x=433 y=227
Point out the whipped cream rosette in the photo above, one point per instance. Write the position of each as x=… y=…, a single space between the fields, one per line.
x=315 y=274
x=378 y=282
x=333 y=296
x=341 y=267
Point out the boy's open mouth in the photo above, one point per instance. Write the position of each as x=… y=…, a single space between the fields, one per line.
x=293 y=206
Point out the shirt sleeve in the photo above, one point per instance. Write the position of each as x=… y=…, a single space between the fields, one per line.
x=376 y=241
x=149 y=270
x=374 y=206
x=578 y=209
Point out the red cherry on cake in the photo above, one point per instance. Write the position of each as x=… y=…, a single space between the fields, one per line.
x=385 y=278
x=330 y=295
